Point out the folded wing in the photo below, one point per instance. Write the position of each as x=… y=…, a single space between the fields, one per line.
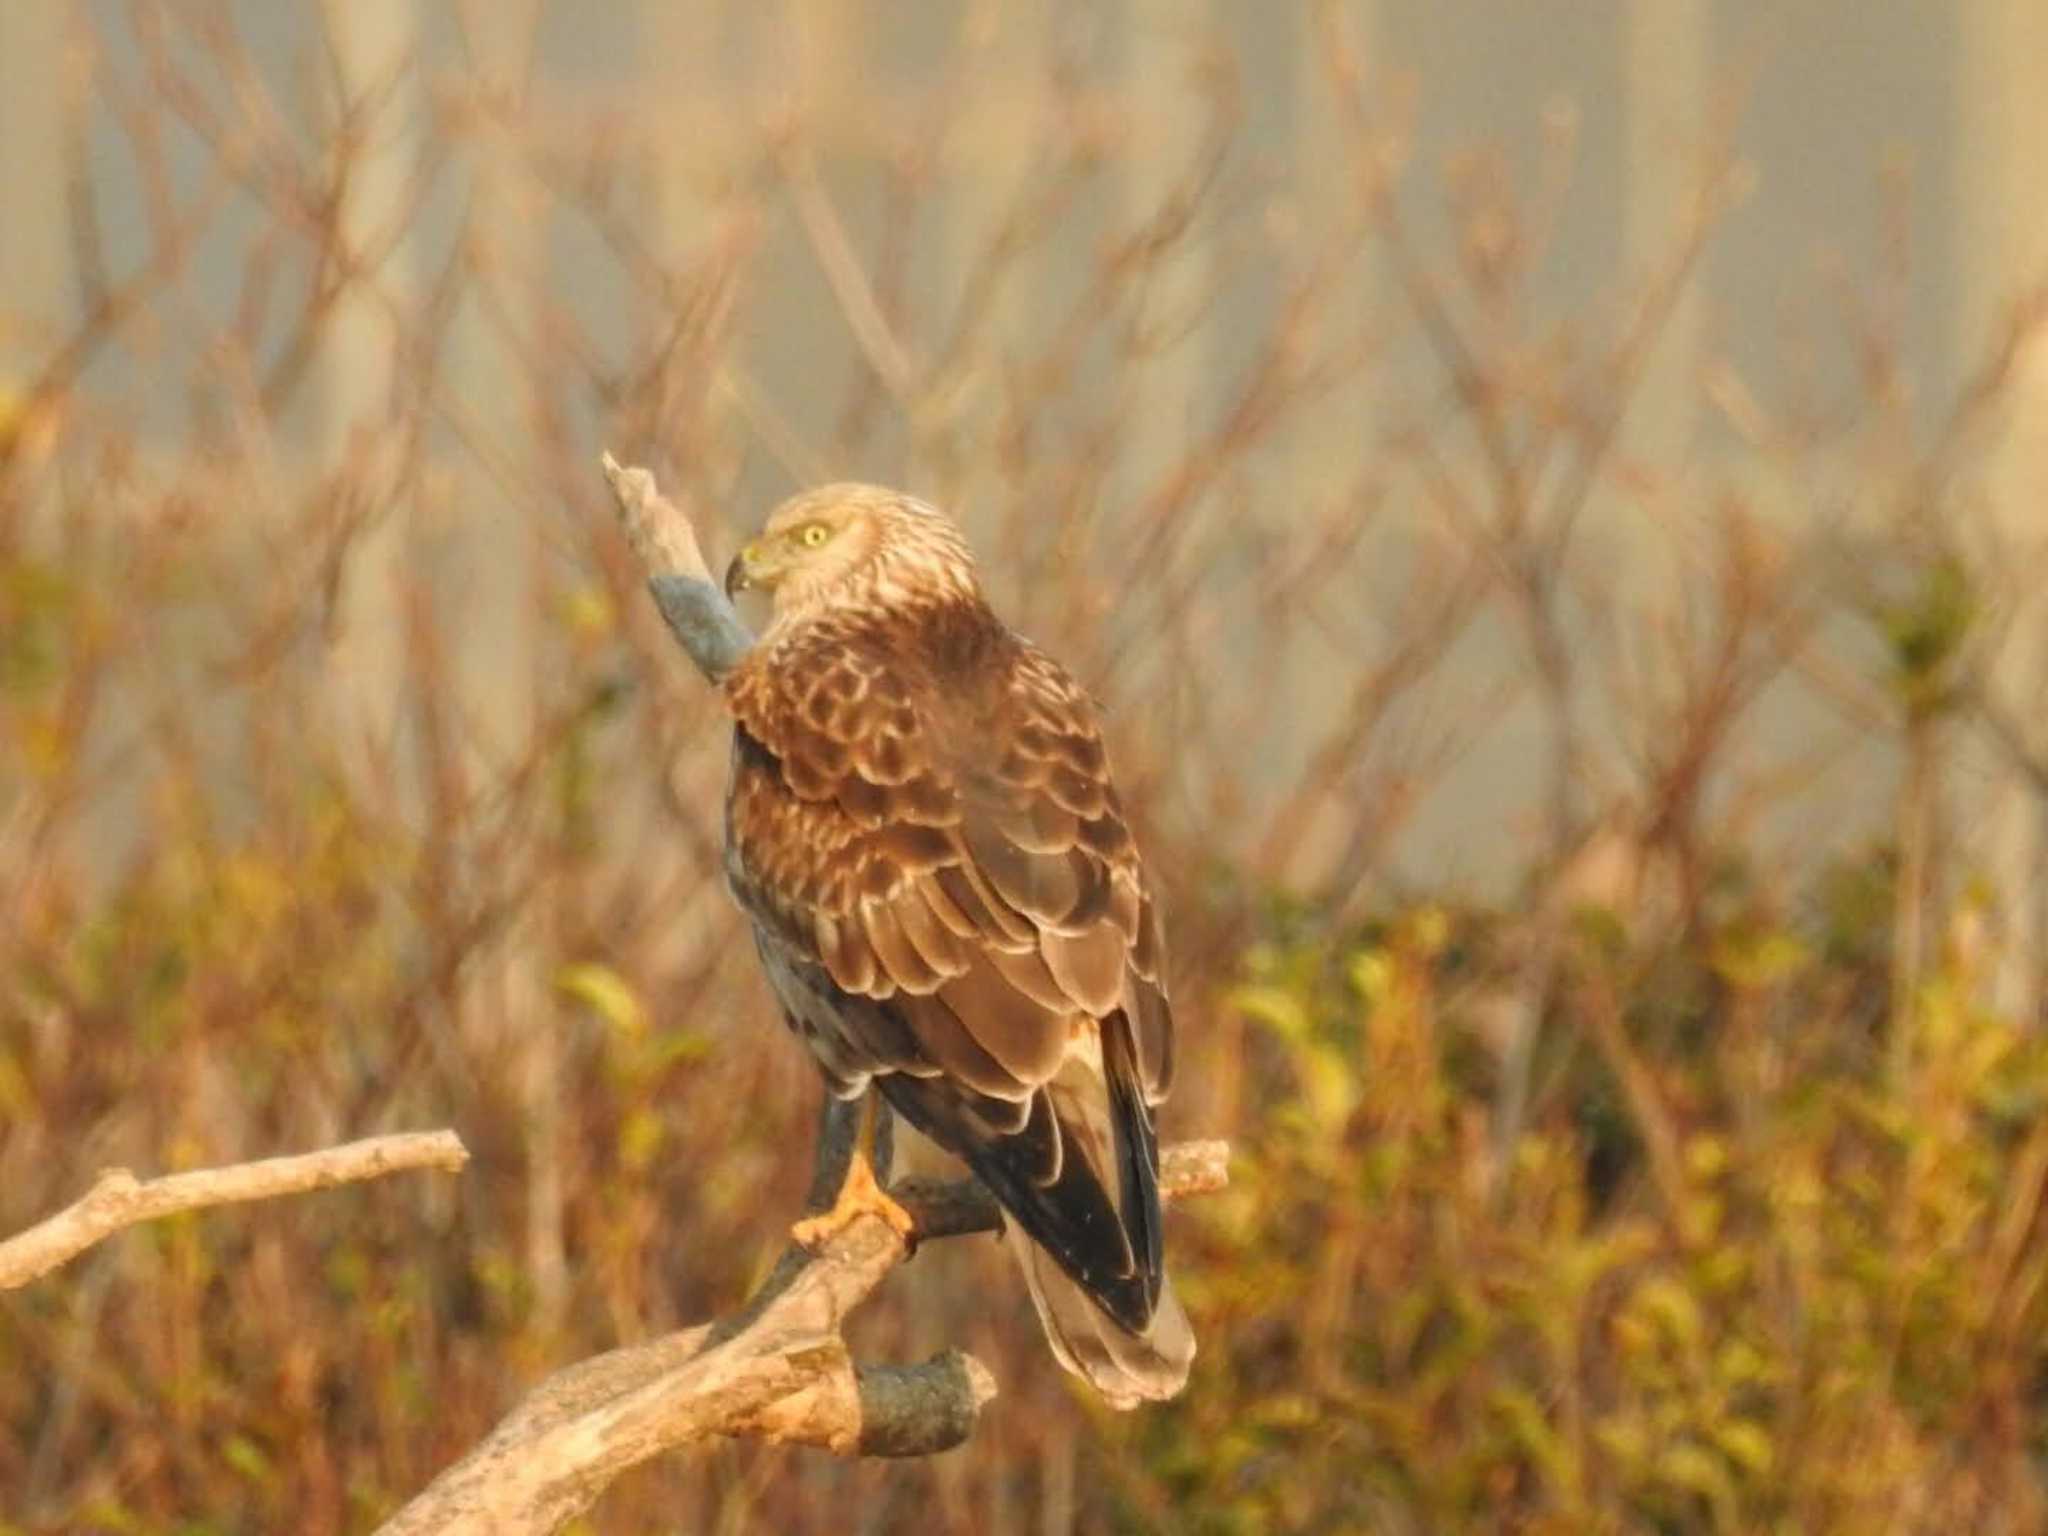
x=951 y=906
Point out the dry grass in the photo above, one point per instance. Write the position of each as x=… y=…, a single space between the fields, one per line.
x=348 y=784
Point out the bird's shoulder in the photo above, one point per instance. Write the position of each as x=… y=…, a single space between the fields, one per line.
x=887 y=695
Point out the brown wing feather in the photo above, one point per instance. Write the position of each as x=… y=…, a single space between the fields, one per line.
x=951 y=852
x=856 y=838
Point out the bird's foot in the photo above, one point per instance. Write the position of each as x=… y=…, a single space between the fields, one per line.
x=859 y=1196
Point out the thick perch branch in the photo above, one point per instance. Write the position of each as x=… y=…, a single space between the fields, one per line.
x=778 y=1370
x=118 y=1199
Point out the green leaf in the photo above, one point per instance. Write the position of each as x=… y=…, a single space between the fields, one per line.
x=1744 y=1442
x=1279 y=1009
x=1697 y=1470
x=605 y=993
x=246 y=1457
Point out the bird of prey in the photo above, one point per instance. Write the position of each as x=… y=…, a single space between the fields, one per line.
x=951 y=910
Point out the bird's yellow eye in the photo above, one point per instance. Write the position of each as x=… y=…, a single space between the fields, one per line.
x=814 y=534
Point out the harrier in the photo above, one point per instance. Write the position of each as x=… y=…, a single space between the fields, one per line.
x=951 y=910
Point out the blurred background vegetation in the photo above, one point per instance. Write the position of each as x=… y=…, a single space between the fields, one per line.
x=1549 y=495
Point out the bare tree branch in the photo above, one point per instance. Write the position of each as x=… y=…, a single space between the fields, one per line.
x=698 y=612
x=118 y=1199
x=777 y=1370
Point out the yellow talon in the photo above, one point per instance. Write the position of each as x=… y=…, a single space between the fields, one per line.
x=859 y=1196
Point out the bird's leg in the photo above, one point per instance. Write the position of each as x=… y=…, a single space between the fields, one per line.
x=860 y=1193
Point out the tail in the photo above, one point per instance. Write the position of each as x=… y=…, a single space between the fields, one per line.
x=1126 y=1368
x=1077 y=1174
x=1106 y=1126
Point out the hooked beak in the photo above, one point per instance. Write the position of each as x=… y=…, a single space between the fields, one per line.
x=739 y=576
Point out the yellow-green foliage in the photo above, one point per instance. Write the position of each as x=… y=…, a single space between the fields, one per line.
x=1824 y=1315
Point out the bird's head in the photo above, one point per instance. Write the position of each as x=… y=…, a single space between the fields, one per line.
x=854 y=545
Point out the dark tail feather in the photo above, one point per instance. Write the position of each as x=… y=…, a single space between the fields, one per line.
x=1077 y=1173
x=1106 y=1129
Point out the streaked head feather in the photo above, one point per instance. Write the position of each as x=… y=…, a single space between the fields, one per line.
x=853 y=547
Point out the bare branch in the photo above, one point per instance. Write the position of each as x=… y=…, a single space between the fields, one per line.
x=658 y=531
x=698 y=612
x=778 y=1370
x=833 y=248
x=118 y=1199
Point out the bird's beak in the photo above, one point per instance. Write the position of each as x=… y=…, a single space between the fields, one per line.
x=740 y=574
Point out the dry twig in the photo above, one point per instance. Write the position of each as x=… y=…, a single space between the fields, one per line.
x=118 y=1199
